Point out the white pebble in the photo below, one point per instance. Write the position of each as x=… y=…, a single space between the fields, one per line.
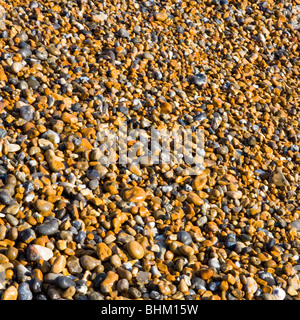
x=45 y=253
x=279 y=293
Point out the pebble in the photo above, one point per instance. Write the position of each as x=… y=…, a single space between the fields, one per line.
x=251 y=286
x=43 y=206
x=74 y=266
x=59 y=264
x=184 y=237
x=64 y=282
x=88 y=262
x=230 y=242
x=48 y=228
x=103 y=251
x=5 y=198
x=11 y=293
x=135 y=250
x=134 y=194
x=24 y=292
x=109 y=282
x=27 y=235
x=44 y=252
x=122 y=285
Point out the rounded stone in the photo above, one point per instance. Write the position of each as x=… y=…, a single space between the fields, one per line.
x=12 y=253
x=43 y=206
x=134 y=194
x=64 y=282
x=5 y=198
x=184 y=237
x=135 y=250
x=47 y=228
x=59 y=264
x=24 y=292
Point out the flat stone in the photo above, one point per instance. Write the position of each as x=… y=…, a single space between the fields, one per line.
x=12 y=147
x=73 y=265
x=194 y=198
x=143 y=277
x=296 y=224
x=12 y=209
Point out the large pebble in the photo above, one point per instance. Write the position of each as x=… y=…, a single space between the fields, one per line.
x=135 y=194
x=135 y=250
x=47 y=228
x=5 y=198
x=64 y=282
x=44 y=252
x=43 y=206
x=24 y=292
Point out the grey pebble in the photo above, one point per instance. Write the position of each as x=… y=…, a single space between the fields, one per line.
x=184 y=237
x=47 y=228
x=24 y=292
x=64 y=282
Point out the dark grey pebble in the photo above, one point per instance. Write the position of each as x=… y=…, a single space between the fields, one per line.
x=64 y=282
x=27 y=112
x=199 y=79
x=33 y=83
x=184 y=237
x=230 y=241
x=5 y=197
x=155 y=295
x=28 y=187
x=25 y=52
x=93 y=184
x=27 y=235
x=134 y=293
x=198 y=283
x=47 y=228
x=40 y=297
x=80 y=237
x=36 y=285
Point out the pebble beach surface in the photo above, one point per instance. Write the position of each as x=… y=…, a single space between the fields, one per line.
x=72 y=228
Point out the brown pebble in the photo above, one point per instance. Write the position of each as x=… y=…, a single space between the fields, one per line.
x=135 y=250
x=59 y=264
x=134 y=194
x=109 y=282
x=11 y=293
